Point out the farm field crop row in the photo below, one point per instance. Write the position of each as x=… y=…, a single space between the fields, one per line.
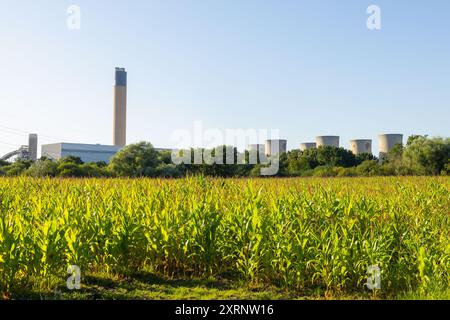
x=294 y=236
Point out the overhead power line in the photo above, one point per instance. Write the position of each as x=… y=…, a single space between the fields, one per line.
x=10 y=144
x=17 y=131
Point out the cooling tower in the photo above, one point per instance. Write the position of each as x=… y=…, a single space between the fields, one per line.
x=33 y=146
x=332 y=141
x=360 y=146
x=256 y=148
x=274 y=147
x=120 y=108
x=387 y=142
x=307 y=146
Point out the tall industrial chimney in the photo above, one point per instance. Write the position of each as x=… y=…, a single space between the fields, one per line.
x=120 y=108
x=32 y=146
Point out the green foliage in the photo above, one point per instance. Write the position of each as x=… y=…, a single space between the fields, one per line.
x=395 y=155
x=296 y=234
x=324 y=161
x=94 y=170
x=427 y=156
x=421 y=156
x=446 y=170
x=168 y=171
x=69 y=169
x=15 y=169
x=43 y=168
x=136 y=160
x=368 y=168
x=360 y=158
x=336 y=157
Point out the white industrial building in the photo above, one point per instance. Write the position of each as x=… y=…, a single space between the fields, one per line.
x=86 y=152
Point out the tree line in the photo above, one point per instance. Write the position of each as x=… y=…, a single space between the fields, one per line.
x=420 y=156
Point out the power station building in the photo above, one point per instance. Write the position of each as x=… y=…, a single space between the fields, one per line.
x=360 y=146
x=25 y=152
x=332 y=141
x=86 y=152
x=97 y=152
x=387 y=142
x=307 y=145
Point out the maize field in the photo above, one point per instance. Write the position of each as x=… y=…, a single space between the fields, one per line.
x=296 y=234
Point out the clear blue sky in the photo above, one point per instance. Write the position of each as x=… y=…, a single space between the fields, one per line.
x=304 y=67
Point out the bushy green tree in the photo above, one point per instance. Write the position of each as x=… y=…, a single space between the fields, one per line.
x=136 y=160
x=94 y=170
x=336 y=157
x=368 y=168
x=446 y=170
x=325 y=171
x=427 y=155
x=4 y=163
x=69 y=167
x=395 y=156
x=360 y=158
x=43 y=168
x=16 y=168
x=301 y=162
x=168 y=171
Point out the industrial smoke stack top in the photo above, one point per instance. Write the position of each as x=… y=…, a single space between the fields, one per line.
x=120 y=108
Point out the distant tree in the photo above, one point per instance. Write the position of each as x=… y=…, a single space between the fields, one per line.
x=427 y=156
x=4 y=163
x=325 y=171
x=17 y=168
x=43 y=168
x=256 y=170
x=413 y=138
x=101 y=164
x=136 y=160
x=69 y=170
x=395 y=155
x=336 y=157
x=446 y=170
x=71 y=159
x=165 y=157
x=164 y=170
x=368 y=168
x=94 y=170
x=300 y=161
x=360 y=158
